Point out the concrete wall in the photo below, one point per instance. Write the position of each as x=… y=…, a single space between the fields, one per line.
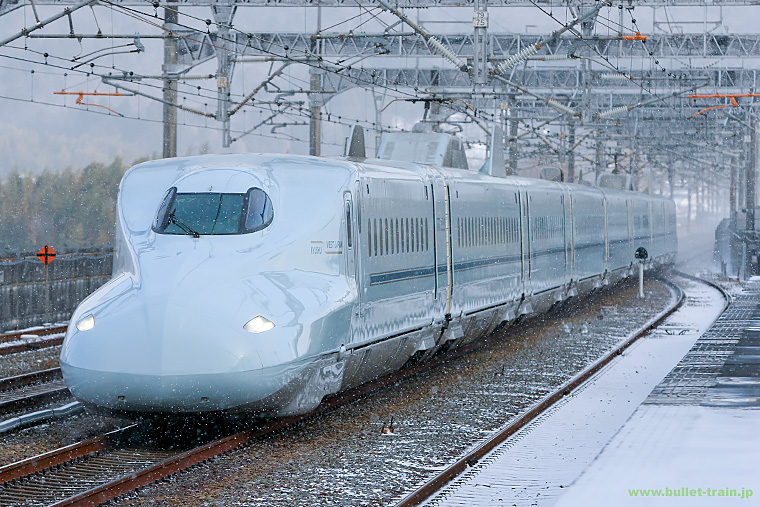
x=72 y=276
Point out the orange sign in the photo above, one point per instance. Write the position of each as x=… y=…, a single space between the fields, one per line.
x=46 y=254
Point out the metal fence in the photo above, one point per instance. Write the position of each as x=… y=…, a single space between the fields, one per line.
x=72 y=276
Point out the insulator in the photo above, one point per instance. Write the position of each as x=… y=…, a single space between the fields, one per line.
x=614 y=112
x=614 y=76
x=551 y=58
x=519 y=57
x=446 y=53
x=561 y=107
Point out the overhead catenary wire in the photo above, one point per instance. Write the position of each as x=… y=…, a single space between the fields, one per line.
x=532 y=49
x=323 y=65
x=40 y=24
x=432 y=41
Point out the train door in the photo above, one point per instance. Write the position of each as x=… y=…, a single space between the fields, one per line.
x=441 y=236
x=352 y=211
x=525 y=242
x=571 y=227
x=606 y=238
x=567 y=230
x=629 y=208
x=349 y=235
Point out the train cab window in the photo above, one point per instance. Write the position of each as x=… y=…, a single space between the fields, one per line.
x=259 y=212
x=213 y=213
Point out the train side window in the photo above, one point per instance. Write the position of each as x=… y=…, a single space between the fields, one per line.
x=374 y=231
x=259 y=214
x=369 y=236
x=401 y=237
x=418 y=234
x=162 y=217
x=398 y=238
x=392 y=242
x=413 y=236
x=380 y=246
x=427 y=236
x=349 y=239
x=387 y=243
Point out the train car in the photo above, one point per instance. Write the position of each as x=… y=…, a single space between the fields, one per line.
x=262 y=283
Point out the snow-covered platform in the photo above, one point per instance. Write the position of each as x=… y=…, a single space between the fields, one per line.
x=673 y=421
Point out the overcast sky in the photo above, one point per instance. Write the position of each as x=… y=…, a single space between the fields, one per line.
x=37 y=136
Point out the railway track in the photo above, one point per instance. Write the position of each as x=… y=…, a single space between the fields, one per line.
x=31 y=390
x=32 y=344
x=106 y=467
x=476 y=453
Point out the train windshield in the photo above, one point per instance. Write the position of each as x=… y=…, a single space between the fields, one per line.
x=213 y=213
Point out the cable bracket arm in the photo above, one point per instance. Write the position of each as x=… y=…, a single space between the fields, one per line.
x=433 y=42
x=532 y=49
x=66 y=12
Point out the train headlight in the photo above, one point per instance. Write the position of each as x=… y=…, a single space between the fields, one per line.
x=86 y=323
x=258 y=324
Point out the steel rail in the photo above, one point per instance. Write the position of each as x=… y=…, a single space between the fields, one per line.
x=60 y=456
x=715 y=286
x=184 y=460
x=435 y=483
x=31 y=390
x=29 y=378
x=16 y=335
x=35 y=345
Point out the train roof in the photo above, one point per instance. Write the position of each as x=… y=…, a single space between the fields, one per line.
x=342 y=167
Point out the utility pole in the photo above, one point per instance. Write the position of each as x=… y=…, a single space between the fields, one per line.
x=315 y=98
x=689 y=185
x=732 y=189
x=750 y=183
x=571 y=151
x=171 y=17
x=378 y=100
x=598 y=159
x=224 y=11
x=512 y=144
x=315 y=116
x=480 y=56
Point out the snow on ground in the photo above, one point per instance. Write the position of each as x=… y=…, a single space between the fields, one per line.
x=536 y=466
x=674 y=450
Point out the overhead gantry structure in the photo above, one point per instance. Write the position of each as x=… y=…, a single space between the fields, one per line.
x=594 y=93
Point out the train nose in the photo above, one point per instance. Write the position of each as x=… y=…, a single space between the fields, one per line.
x=151 y=352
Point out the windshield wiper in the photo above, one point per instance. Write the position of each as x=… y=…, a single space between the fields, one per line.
x=182 y=225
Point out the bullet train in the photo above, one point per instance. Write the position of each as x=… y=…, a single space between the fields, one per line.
x=260 y=284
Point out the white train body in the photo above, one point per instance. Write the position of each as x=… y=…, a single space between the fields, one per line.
x=364 y=265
